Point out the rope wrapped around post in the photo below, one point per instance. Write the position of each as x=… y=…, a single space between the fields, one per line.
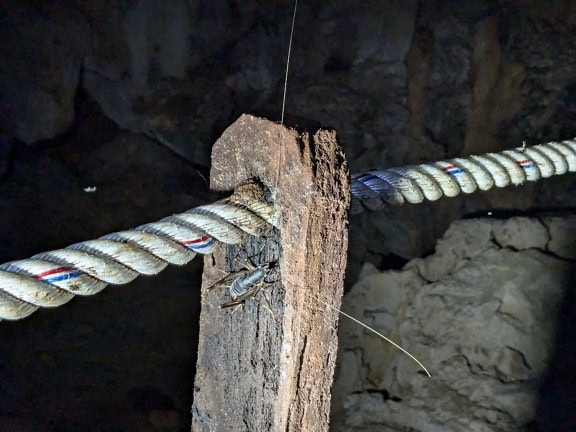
x=50 y=279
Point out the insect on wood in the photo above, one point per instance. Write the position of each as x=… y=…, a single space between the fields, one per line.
x=242 y=284
x=246 y=282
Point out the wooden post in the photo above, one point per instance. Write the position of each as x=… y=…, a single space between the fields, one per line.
x=271 y=370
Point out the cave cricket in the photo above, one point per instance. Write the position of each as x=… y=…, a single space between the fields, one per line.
x=243 y=284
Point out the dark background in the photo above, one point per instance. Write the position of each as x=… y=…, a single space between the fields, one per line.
x=128 y=96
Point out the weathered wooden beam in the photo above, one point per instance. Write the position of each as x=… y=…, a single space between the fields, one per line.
x=261 y=370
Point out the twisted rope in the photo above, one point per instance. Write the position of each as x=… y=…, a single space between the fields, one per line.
x=430 y=181
x=50 y=279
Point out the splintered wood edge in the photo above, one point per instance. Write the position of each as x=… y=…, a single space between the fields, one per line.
x=308 y=177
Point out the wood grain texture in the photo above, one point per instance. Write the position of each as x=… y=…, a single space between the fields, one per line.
x=259 y=371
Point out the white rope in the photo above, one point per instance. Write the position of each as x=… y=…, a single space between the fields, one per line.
x=50 y=279
x=414 y=184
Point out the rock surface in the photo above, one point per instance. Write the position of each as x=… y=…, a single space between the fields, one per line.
x=481 y=313
x=41 y=53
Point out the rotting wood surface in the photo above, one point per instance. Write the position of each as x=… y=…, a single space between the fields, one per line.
x=256 y=371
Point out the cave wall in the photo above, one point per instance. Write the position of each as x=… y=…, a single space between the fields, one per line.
x=488 y=314
x=128 y=96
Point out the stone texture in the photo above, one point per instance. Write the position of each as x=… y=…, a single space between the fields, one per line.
x=41 y=53
x=480 y=313
x=561 y=237
x=162 y=74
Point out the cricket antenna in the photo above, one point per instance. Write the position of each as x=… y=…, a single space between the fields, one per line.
x=280 y=154
x=288 y=62
x=391 y=342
